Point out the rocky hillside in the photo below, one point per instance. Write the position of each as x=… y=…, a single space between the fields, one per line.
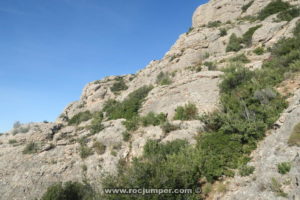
x=115 y=117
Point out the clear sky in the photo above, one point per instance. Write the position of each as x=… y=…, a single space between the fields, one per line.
x=50 y=49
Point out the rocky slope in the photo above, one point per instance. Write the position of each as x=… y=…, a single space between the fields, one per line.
x=193 y=79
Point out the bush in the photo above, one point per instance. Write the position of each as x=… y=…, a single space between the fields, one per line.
x=288 y=15
x=214 y=24
x=17 y=125
x=235 y=76
x=126 y=136
x=12 y=141
x=128 y=108
x=69 y=191
x=247 y=37
x=84 y=150
x=284 y=167
x=119 y=85
x=223 y=32
x=297 y=30
x=294 y=139
x=31 y=148
x=246 y=170
x=210 y=65
x=234 y=44
x=96 y=125
x=240 y=58
x=246 y=6
x=157 y=168
x=99 y=147
x=153 y=119
x=132 y=124
x=273 y=8
x=259 y=51
x=167 y=127
x=187 y=112
x=163 y=79
x=80 y=117
x=276 y=187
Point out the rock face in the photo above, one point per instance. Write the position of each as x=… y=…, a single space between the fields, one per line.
x=193 y=68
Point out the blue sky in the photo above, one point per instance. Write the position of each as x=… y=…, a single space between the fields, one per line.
x=50 y=49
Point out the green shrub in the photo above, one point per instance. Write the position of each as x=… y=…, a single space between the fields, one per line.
x=96 y=124
x=235 y=76
x=240 y=58
x=31 y=148
x=288 y=15
x=69 y=191
x=259 y=51
x=272 y=8
x=187 y=112
x=84 y=150
x=153 y=119
x=284 y=167
x=210 y=65
x=246 y=6
x=80 y=117
x=113 y=153
x=247 y=37
x=126 y=136
x=167 y=127
x=196 y=68
x=163 y=79
x=296 y=31
x=214 y=24
x=206 y=55
x=12 y=141
x=294 y=139
x=206 y=189
x=119 y=85
x=157 y=168
x=128 y=108
x=154 y=149
x=234 y=44
x=223 y=32
x=190 y=30
x=132 y=124
x=246 y=170
x=17 y=125
x=249 y=18
x=276 y=187
x=99 y=147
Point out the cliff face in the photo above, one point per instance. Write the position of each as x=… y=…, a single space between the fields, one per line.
x=191 y=71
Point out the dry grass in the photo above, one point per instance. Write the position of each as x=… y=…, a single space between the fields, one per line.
x=295 y=136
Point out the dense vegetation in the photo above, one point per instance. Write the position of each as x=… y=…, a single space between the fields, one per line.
x=80 y=117
x=246 y=6
x=236 y=43
x=273 y=8
x=118 y=85
x=284 y=167
x=186 y=112
x=128 y=108
x=31 y=148
x=69 y=191
x=163 y=79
